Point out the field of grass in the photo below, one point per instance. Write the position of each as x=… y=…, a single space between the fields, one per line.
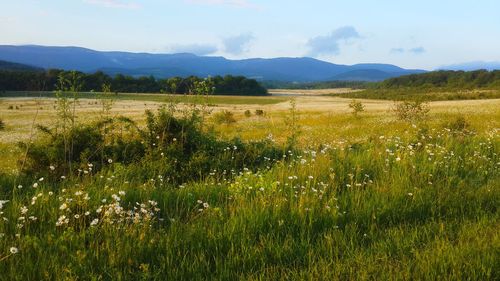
x=211 y=100
x=431 y=94
x=356 y=198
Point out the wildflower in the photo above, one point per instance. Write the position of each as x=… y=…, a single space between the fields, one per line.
x=205 y=205
x=35 y=185
x=2 y=202
x=40 y=179
x=14 y=250
x=19 y=186
x=52 y=168
x=63 y=207
x=63 y=177
x=110 y=160
x=410 y=194
x=121 y=192
x=24 y=210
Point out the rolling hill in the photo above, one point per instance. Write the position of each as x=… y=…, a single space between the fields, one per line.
x=183 y=64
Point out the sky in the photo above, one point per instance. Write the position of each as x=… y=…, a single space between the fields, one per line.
x=424 y=34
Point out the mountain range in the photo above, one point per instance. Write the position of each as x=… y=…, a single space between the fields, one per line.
x=184 y=64
x=475 y=65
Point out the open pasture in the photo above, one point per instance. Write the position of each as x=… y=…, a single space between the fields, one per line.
x=366 y=197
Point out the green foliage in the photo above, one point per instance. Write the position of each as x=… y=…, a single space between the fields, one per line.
x=248 y=113
x=417 y=205
x=459 y=126
x=45 y=81
x=292 y=123
x=411 y=111
x=356 y=107
x=318 y=85
x=2 y=125
x=259 y=112
x=445 y=80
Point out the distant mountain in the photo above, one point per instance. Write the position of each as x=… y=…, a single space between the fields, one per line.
x=167 y=65
x=12 y=66
x=469 y=66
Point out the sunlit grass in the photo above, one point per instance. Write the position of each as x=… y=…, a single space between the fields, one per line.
x=363 y=198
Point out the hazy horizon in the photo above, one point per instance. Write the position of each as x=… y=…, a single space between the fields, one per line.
x=423 y=35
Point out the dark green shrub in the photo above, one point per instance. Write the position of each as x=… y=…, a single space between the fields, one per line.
x=248 y=113
x=259 y=112
x=174 y=147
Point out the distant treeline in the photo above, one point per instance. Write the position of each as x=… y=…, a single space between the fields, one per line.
x=47 y=81
x=445 y=80
x=317 y=85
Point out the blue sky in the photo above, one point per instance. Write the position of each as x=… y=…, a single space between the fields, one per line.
x=413 y=34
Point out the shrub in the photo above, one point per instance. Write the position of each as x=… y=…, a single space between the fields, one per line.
x=172 y=146
x=411 y=110
x=248 y=113
x=2 y=125
x=224 y=117
x=356 y=107
x=459 y=126
x=259 y=112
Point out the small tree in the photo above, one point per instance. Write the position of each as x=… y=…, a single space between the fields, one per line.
x=411 y=110
x=357 y=107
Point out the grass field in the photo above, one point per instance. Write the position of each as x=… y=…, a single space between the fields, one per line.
x=431 y=94
x=211 y=100
x=370 y=197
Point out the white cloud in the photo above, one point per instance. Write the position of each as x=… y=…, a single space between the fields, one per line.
x=114 y=4
x=329 y=44
x=236 y=45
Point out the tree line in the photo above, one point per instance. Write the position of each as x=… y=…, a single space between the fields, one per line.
x=445 y=79
x=47 y=81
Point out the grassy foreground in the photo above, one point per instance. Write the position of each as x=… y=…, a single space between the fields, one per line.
x=370 y=199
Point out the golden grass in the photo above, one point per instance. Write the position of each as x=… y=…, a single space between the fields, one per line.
x=322 y=119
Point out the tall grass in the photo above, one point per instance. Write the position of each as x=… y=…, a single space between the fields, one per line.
x=420 y=203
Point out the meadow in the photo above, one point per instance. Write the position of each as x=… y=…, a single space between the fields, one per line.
x=278 y=188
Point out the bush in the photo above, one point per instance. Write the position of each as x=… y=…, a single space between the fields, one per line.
x=356 y=107
x=459 y=126
x=411 y=110
x=224 y=117
x=172 y=146
x=2 y=125
x=248 y=113
x=259 y=112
